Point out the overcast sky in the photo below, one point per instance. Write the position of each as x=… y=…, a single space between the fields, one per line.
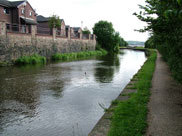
x=119 y=12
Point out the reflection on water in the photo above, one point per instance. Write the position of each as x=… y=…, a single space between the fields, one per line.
x=62 y=98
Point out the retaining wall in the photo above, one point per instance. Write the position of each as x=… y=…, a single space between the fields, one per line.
x=14 y=45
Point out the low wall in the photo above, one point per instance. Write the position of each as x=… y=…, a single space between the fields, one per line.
x=13 y=45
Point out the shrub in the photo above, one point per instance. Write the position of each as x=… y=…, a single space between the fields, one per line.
x=34 y=59
x=68 y=56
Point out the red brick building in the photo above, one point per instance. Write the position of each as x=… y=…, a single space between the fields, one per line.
x=43 y=26
x=18 y=15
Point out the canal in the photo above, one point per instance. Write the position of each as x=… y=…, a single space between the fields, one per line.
x=63 y=99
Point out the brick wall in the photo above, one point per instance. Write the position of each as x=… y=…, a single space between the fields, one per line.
x=14 y=45
x=27 y=9
x=5 y=17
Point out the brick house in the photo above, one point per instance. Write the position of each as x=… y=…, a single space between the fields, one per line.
x=77 y=31
x=18 y=15
x=43 y=26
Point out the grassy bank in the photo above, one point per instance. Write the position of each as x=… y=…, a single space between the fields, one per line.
x=34 y=59
x=70 y=56
x=130 y=116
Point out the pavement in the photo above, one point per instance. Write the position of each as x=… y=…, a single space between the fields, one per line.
x=165 y=105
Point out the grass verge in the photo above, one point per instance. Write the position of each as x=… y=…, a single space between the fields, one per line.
x=34 y=59
x=130 y=117
x=85 y=54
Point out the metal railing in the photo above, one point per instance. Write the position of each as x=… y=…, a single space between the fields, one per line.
x=85 y=36
x=44 y=30
x=16 y=28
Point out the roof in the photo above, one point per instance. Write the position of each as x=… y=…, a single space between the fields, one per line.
x=76 y=28
x=41 y=18
x=29 y=21
x=16 y=3
x=5 y=3
x=10 y=3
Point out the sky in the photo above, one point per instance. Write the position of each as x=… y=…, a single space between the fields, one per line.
x=119 y=12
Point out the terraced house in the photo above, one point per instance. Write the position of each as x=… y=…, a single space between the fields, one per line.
x=43 y=26
x=18 y=16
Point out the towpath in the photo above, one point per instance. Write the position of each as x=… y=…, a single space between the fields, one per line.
x=165 y=106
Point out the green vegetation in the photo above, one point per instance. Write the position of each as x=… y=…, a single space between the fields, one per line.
x=3 y=64
x=34 y=59
x=107 y=37
x=70 y=56
x=164 y=19
x=86 y=31
x=150 y=43
x=122 y=42
x=54 y=21
x=130 y=116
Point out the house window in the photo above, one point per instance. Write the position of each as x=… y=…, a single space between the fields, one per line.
x=30 y=13
x=8 y=26
x=6 y=10
x=23 y=11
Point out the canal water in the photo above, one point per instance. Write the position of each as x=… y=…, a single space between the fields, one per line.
x=62 y=99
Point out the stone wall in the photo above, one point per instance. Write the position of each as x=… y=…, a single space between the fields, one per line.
x=13 y=45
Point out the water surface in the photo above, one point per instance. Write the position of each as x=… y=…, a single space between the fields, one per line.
x=62 y=99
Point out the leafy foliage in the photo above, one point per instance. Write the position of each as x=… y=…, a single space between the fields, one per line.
x=34 y=59
x=164 y=23
x=71 y=56
x=54 y=21
x=150 y=43
x=86 y=31
x=130 y=116
x=122 y=42
x=107 y=37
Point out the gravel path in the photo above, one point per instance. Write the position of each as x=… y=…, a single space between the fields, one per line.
x=165 y=106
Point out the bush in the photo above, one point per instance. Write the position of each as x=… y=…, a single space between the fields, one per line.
x=34 y=59
x=69 y=56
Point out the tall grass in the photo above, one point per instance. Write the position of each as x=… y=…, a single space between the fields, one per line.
x=34 y=59
x=70 y=56
x=130 y=117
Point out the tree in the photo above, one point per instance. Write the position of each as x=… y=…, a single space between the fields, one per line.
x=164 y=19
x=86 y=31
x=122 y=42
x=106 y=36
x=54 y=21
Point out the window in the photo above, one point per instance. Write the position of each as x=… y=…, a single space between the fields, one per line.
x=23 y=11
x=30 y=13
x=6 y=10
x=8 y=26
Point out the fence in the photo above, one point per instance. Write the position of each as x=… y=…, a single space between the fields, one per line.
x=16 y=28
x=75 y=36
x=61 y=34
x=33 y=29
x=44 y=30
x=85 y=36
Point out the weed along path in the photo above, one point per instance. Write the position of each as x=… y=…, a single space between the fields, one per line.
x=165 y=106
x=127 y=116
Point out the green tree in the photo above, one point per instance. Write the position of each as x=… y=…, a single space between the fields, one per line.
x=106 y=35
x=54 y=21
x=164 y=23
x=86 y=31
x=122 y=42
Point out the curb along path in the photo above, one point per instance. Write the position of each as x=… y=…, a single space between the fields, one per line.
x=165 y=105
